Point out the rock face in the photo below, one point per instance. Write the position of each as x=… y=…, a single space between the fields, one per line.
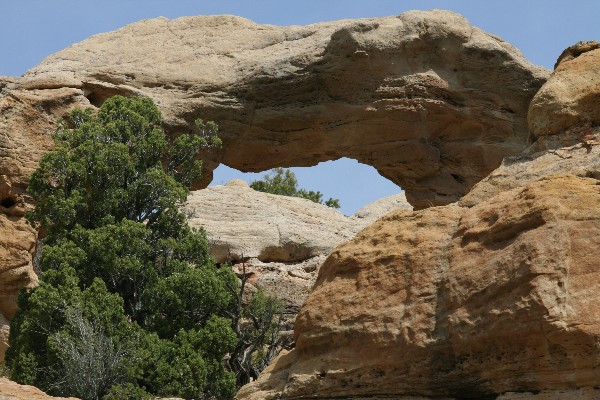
x=281 y=241
x=565 y=124
x=455 y=301
x=27 y=116
x=493 y=297
x=242 y=223
x=12 y=391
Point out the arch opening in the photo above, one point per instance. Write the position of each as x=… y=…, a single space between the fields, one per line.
x=353 y=183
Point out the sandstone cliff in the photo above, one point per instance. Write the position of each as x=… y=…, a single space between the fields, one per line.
x=493 y=297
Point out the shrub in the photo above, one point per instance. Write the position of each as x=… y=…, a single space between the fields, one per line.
x=283 y=182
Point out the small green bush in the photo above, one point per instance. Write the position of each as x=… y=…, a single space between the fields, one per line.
x=283 y=182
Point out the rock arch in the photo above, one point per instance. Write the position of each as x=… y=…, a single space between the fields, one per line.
x=430 y=101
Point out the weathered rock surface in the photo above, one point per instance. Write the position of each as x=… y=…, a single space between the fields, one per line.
x=493 y=297
x=281 y=240
x=430 y=101
x=581 y=159
x=564 y=118
x=457 y=302
x=13 y=391
x=570 y=100
x=243 y=223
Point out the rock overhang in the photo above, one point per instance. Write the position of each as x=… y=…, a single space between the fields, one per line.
x=430 y=101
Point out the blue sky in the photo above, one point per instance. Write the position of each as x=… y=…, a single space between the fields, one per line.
x=541 y=29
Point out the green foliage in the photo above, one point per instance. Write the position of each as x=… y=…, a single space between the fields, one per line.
x=110 y=167
x=58 y=327
x=130 y=303
x=283 y=182
x=128 y=391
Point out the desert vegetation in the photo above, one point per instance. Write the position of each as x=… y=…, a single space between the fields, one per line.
x=283 y=182
x=130 y=304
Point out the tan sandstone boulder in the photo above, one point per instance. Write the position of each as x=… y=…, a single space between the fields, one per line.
x=571 y=98
x=13 y=391
x=243 y=223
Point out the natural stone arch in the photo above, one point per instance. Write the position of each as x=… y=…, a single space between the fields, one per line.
x=430 y=101
x=354 y=184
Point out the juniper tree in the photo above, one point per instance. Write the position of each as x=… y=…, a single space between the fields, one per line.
x=130 y=300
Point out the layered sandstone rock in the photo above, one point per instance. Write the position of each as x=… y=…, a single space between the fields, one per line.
x=243 y=223
x=281 y=241
x=494 y=297
x=457 y=302
x=565 y=125
x=430 y=101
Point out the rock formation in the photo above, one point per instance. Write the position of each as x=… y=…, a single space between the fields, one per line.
x=13 y=391
x=280 y=241
x=493 y=297
x=430 y=101
x=27 y=117
x=242 y=223
x=571 y=98
x=565 y=127
x=456 y=302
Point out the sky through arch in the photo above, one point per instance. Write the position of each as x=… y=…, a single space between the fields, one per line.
x=360 y=183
